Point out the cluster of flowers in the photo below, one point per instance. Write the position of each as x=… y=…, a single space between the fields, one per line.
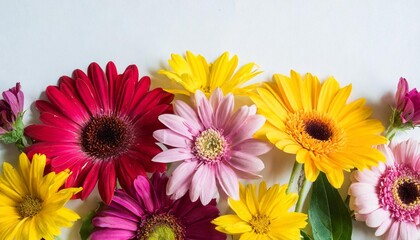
x=111 y=130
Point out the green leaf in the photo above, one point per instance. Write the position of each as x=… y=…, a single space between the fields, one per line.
x=304 y=236
x=87 y=227
x=328 y=214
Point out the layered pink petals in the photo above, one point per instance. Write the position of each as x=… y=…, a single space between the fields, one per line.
x=171 y=138
x=228 y=180
x=215 y=144
x=376 y=194
x=181 y=179
x=100 y=126
x=408 y=103
x=203 y=184
x=13 y=101
x=246 y=162
x=131 y=212
x=173 y=155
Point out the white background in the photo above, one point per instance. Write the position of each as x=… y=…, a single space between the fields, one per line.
x=367 y=43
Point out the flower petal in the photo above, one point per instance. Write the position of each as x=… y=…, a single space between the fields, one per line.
x=228 y=180
x=107 y=181
x=204 y=109
x=180 y=181
x=171 y=138
x=177 y=124
x=185 y=111
x=253 y=146
x=116 y=234
x=173 y=155
x=203 y=184
x=246 y=162
x=223 y=112
x=144 y=192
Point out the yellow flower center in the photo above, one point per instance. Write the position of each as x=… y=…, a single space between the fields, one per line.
x=29 y=207
x=159 y=227
x=210 y=145
x=406 y=192
x=315 y=132
x=260 y=224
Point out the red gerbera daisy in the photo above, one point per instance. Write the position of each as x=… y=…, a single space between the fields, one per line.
x=100 y=126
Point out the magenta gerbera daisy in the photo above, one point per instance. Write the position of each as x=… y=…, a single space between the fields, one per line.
x=215 y=144
x=100 y=126
x=388 y=196
x=145 y=212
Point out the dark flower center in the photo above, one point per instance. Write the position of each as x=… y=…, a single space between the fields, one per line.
x=161 y=226
x=29 y=207
x=106 y=137
x=398 y=192
x=318 y=130
x=408 y=192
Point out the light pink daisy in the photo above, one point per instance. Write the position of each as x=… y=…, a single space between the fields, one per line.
x=388 y=196
x=215 y=144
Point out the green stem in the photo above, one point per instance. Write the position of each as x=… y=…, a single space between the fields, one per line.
x=303 y=192
x=390 y=132
x=294 y=176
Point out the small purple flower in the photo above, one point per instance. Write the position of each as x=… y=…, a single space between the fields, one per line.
x=408 y=103
x=146 y=212
x=406 y=113
x=11 y=107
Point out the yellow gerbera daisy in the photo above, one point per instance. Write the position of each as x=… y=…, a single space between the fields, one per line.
x=262 y=215
x=194 y=73
x=313 y=121
x=31 y=204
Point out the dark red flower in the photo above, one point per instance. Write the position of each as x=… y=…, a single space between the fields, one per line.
x=146 y=212
x=100 y=126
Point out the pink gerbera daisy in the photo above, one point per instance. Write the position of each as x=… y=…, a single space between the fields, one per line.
x=100 y=126
x=388 y=196
x=145 y=212
x=215 y=145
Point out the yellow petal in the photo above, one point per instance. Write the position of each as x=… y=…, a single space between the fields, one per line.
x=311 y=172
x=36 y=173
x=328 y=91
x=288 y=90
x=251 y=199
x=226 y=220
x=239 y=227
x=243 y=75
x=262 y=190
x=222 y=70
x=199 y=67
x=249 y=236
x=336 y=178
x=339 y=101
x=13 y=179
x=177 y=91
x=269 y=200
x=240 y=209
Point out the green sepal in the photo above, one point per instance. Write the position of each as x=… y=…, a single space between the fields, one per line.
x=17 y=133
